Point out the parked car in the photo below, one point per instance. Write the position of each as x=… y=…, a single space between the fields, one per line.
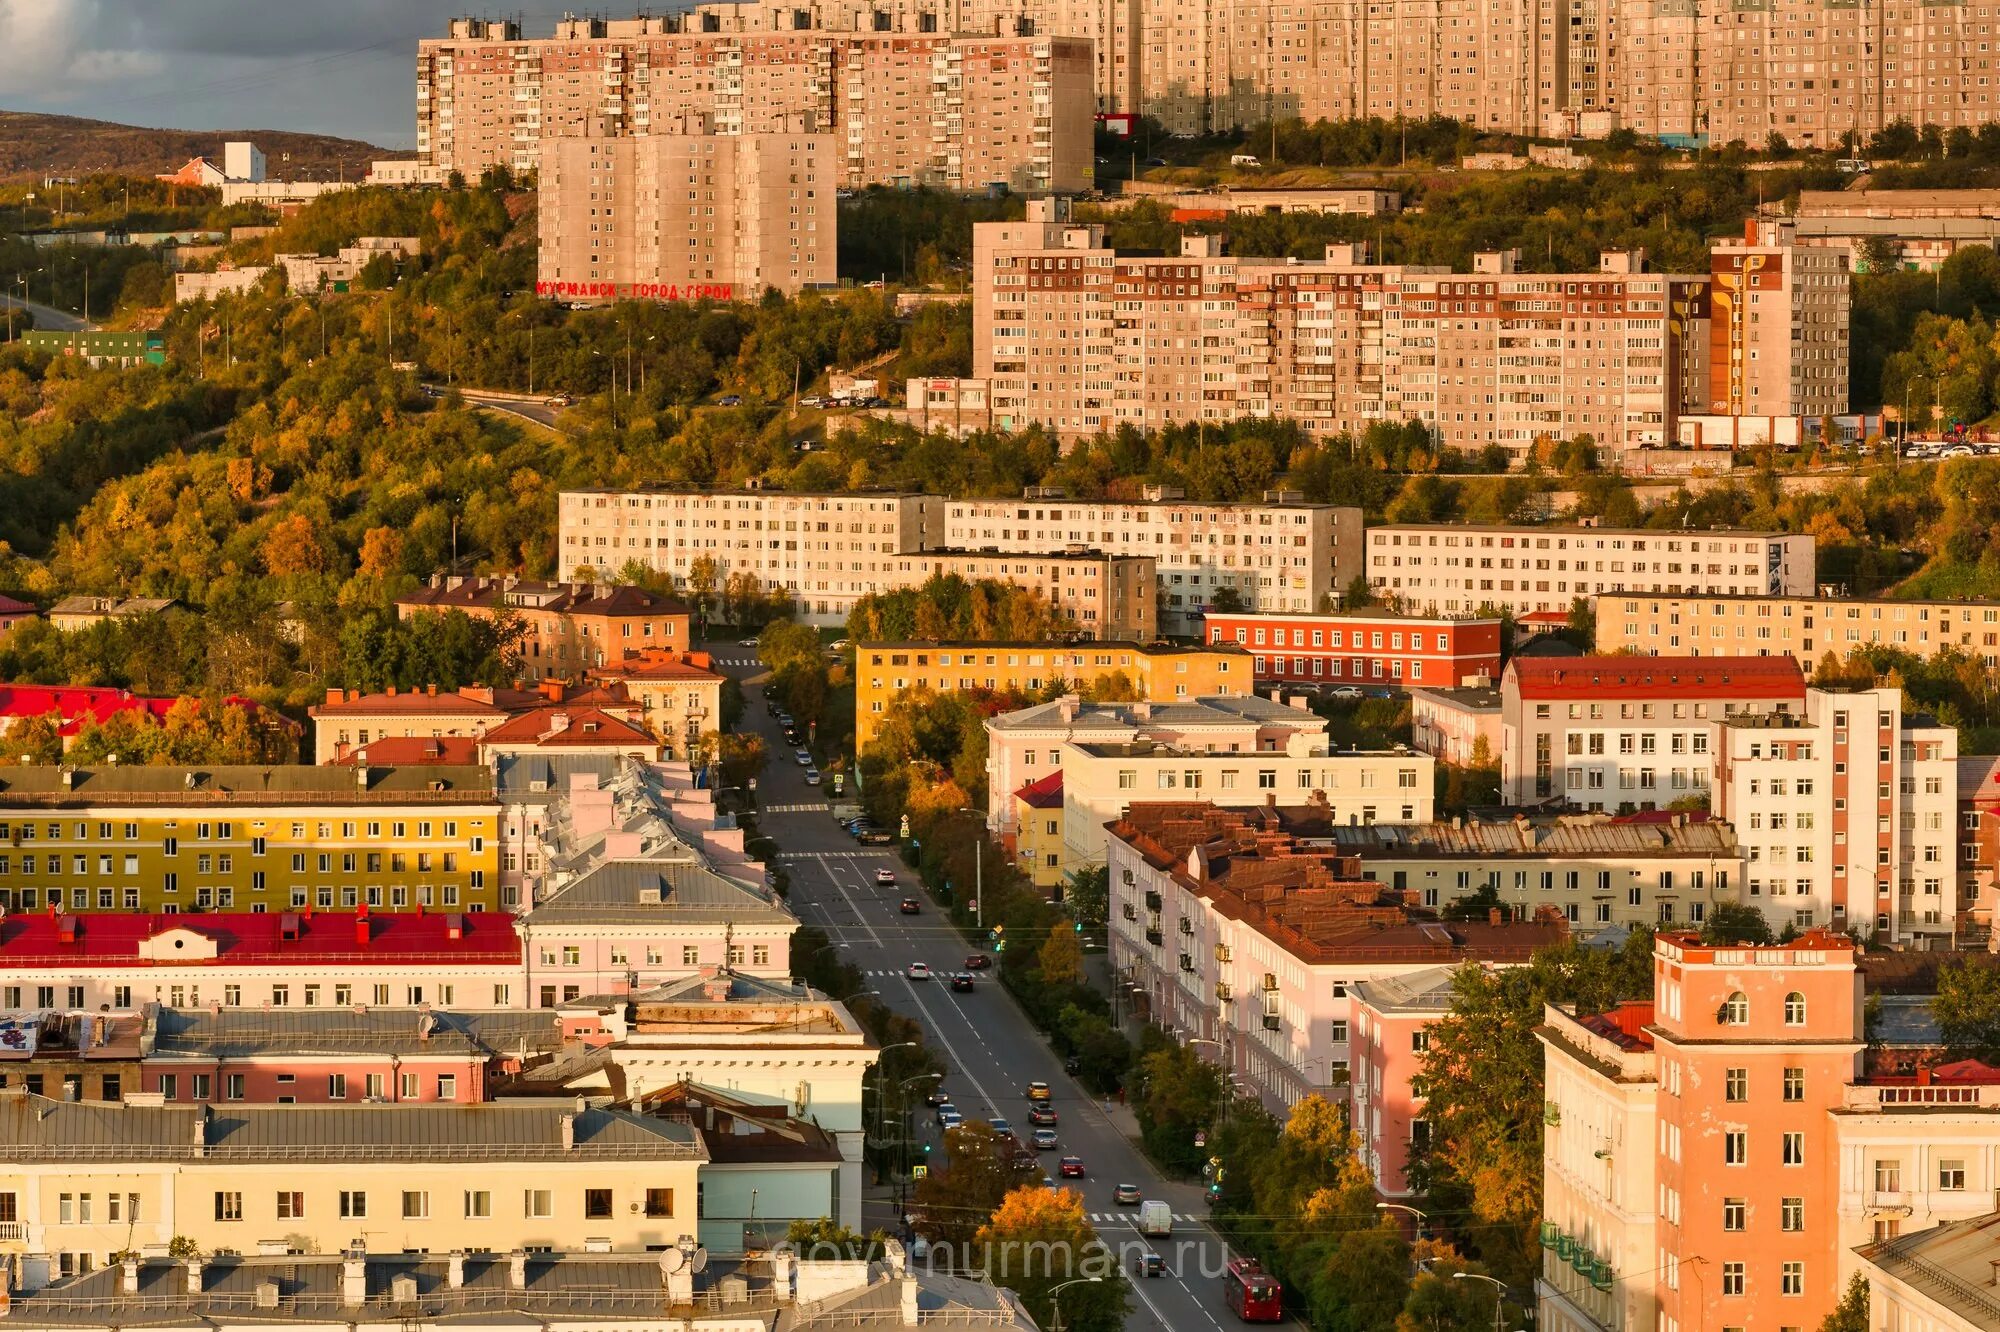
x=1070 y=1167
x=962 y=982
x=812 y=776
x=729 y=400
x=1345 y=691
x=1127 y=1195
x=875 y=837
x=909 y=906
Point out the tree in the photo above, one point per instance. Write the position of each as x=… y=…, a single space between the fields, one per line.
x=1735 y=923
x=381 y=552
x=1967 y=1009
x=739 y=754
x=1040 y=1238
x=702 y=575
x=1061 y=959
x=1089 y=895
x=956 y=1197
x=32 y=740
x=1851 y=1314
x=292 y=547
x=826 y=1238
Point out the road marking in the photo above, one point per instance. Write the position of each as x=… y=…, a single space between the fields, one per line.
x=819 y=808
x=950 y=1049
x=826 y=855
x=842 y=890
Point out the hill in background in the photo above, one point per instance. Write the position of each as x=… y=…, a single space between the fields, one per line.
x=33 y=145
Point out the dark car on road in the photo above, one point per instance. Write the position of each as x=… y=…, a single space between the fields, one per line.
x=978 y=962
x=909 y=906
x=875 y=837
x=962 y=982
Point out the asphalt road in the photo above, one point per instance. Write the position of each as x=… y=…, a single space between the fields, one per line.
x=47 y=317
x=528 y=409
x=990 y=1048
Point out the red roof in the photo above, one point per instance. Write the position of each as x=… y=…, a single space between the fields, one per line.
x=424 y=703
x=1728 y=678
x=1043 y=793
x=250 y=939
x=10 y=607
x=559 y=727
x=76 y=706
x=1554 y=617
x=658 y=665
x=395 y=751
x=1624 y=1026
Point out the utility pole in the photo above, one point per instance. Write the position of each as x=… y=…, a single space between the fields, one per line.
x=979 y=881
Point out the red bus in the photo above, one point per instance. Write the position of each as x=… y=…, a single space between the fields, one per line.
x=1251 y=1293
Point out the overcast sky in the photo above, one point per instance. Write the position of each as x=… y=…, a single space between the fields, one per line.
x=344 y=67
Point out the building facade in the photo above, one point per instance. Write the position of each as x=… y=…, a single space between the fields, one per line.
x=1280 y=555
x=1462 y=567
x=1806 y=627
x=1460 y=726
x=1152 y=672
x=1848 y=809
x=827 y=551
x=1628 y=733
x=1363 y=647
x=892 y=96
x=566 y=628
x=1387 y=1037
x=1105 y=595
x=686 y=215
x=1768 y=279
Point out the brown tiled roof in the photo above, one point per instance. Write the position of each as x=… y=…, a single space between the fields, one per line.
x=564 y=726
x=397 y=750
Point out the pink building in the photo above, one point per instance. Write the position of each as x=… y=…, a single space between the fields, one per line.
x=1451 y=724
x=1387 y=1038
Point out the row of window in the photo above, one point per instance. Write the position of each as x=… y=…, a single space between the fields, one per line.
x=536 y=1204
x=107 y=831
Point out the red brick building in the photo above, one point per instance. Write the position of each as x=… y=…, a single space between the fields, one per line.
x=1361 y=647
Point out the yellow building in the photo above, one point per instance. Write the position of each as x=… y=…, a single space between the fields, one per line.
x=1153 y=673
x=83 y=1180
x=248 y=838
x=1038 y=835
x=1804 y=628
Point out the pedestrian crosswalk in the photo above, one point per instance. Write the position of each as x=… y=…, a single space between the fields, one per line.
x=733 y=661
x=1102 y=1218
x=818 y=807
x=829 y=855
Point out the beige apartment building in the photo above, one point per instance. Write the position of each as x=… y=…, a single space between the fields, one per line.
x=828 y=551
x=680 y=216
x=1109 y=596
x=1806 y=628
x=1923 y=227
x=908 y=101
x=1442 y=568
x=86 y=1180
x=1081 y=339
x=1281 y=554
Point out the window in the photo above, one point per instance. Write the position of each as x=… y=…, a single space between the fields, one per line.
x=478 y=1204
x=597 y=1204
x=659 y=1202
x=1735 y=1010
x=447 y=1087
x=1792 y=1279
x=416 y=1205
x=1732 y=1213
x=1795 y=1084
x=291 y=1206
x=228 y=1206
x=1795 y=1148
x=538 y=1203
x=1795 y=1009
x=1888 y=1176
x=1792 y=1214
x=1736 y=1084
x=336 y=1086
x=1732 y=1278
x=1735 y=1147
x=233 y=1086
x=1951 y=1176
x=353 y=1202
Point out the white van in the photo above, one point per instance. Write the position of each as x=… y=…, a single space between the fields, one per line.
x=1155 y=1218
x=1244 y=160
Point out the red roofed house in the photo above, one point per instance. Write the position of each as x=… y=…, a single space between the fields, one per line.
x=14 y=614
x=1038 y=830
x=680 y=692
x=1624 y=733
x=396 y=751
x=195 y=171
x=75 y=706
x=563 y=729
x=352 y=718
x=566 y=627
x=243 y=959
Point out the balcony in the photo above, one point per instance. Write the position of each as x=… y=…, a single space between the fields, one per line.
x=1273 y=1022
x=13 y=1232
x=1187 y=963
x=1152 y=900
x=1155 y=937
x=1222 y=991
x=1131 y=912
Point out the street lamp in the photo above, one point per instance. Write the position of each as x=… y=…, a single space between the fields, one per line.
x=1055 y=1300
x=1499 y=1291
x=1925 y=378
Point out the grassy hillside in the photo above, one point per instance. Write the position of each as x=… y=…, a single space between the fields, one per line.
x=33 y=145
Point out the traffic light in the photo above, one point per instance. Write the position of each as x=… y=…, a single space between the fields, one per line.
x=927 y=1149
x=1078 y=927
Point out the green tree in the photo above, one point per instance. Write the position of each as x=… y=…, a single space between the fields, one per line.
x=1735 y=923
x=1967 y=1009
x=1060 y=959
x=826 y=1238
x=1851 y=1314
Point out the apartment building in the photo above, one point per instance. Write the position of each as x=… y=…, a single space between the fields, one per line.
x=1978 y=844
x=89 y=1181
x=828 y=551
x=1628 y=733
x=1848 y=809
x=1768 y=279
x=1081 y=339
x=687 y=214
x=903 y=103
x=1280 y=554
x=1038 y=833
x=1105 y=595
x=1387 y=1038
x=1232 y=750
x=1807 y=627
x=565 y=628
x=1594 y=871
x=1238 y=928
x=251 y=838
x=1933 y=1278
x=679 y=693
x=1459 y=726
x=348 y=718
x=1156 y=672
x=1716 y=1157
x=1362 y=647
x=1466 y=567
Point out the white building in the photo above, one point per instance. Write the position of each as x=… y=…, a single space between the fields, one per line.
x=1847 y=811
x=1938 y=1280
x=1442 y=568
x=827 y=550
x=243 y=161
x=1280 y=555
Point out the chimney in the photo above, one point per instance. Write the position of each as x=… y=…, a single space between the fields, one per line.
x=454 y=1272
x=336 y=695
x=1492 y=915
x=392 y=691
x=354 y=1275
x=517 y=1269
x=200 y=1130
x=267 y=1294
x=193 y=1266
x=128 y=1281
x=909 y=1301
x=431 y=691
x=361 y=928
x=569 y=1133
x=784 y=1265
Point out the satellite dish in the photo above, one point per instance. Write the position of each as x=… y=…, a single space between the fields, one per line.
x=671 y=1261
x=700 y=1259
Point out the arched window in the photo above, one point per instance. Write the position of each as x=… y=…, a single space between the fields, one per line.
x=1795 y=1009
x=1735 y=1010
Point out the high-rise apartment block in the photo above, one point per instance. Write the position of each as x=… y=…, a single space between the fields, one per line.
x=1280 y=554
x=907 y=100
x=1848 y=813
x=1807 y=628
x=680 y=216
x=1081 y=339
